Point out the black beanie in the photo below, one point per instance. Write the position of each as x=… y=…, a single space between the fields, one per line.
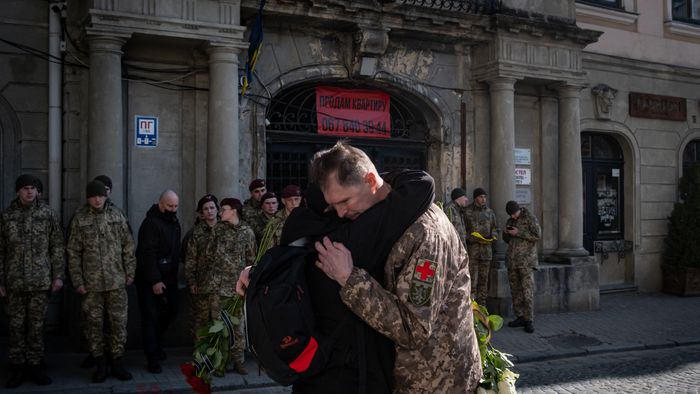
x=95 y=188
x=105 y=180
x=512 y=207
x=457 y=193
x=478 y=192
x=26 y=180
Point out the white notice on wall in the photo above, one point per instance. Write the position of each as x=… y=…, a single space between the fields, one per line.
x=523 y=196
x=522 y=176
x=616 y=172
x=522 y=156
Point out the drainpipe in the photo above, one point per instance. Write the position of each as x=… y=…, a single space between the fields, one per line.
x=56 y=10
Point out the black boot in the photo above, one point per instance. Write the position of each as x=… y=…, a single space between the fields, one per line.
x=519 y=322
x=16 y=376
x=36 y=374
x=529 y=327
x=118 y=370
x=100 y=374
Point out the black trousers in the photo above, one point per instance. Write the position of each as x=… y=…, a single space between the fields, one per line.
x=157 y=312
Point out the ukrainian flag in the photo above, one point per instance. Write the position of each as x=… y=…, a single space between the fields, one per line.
x=254 y=47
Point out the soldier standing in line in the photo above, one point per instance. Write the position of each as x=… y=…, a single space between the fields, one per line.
x=482 y=230
x=422 y=306
x=231 y=248
x=455 y=212
x=291 y=198
x=521 y=233
x=31 y=262
x=269 y=205
x=196 y=266
x=252 y=207
x=101 y=264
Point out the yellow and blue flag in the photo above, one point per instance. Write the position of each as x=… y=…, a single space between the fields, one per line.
x=254 y=47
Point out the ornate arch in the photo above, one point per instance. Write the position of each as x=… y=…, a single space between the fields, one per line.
x=691 y=135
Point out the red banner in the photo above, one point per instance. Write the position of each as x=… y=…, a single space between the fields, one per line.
x=352 y=113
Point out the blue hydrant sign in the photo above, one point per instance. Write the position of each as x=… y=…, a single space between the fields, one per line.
x=146 y=131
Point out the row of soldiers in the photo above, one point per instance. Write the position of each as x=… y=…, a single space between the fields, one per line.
x=477 y=225
x=101 y=264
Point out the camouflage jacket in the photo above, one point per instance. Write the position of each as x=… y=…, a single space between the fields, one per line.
x=31 y=247
x=522 y=248
x=230 y=249
x=423 y=308
x=100 y=250
x=250 y=209
x=456 y=215
x=195 y=258
x=275 y=226
x=483 y=221
x=257 y=223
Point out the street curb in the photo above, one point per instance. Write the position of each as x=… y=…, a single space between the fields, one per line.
x=546 y=355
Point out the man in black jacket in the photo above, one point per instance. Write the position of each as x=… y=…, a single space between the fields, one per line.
x=157 y=260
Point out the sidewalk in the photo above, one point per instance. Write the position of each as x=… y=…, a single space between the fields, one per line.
x=625 y=321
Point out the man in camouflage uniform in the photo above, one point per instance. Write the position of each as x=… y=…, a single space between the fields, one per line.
x=258 y=222
x=101 y=264
x=423 y=306
x=455 y=212
x=231 y=248
x=253 y=206
x=291 y=198
x=521 y=233
x=196 y=266
x=31 y=262
x=480 y=219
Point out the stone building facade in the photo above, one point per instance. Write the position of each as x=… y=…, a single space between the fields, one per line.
x=521 y=97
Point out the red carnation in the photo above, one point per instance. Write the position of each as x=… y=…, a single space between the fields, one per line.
x=188 y=369
x=200 y=387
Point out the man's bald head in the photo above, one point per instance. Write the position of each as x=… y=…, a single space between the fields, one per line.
x=168 y=201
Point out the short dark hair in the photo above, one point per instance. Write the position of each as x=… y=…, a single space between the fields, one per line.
x=349 y=163
x=233 y=203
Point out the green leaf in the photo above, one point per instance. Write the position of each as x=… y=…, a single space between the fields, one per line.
x=211 y=351
x=495 y=322
x=203 y=331
x=218 y=360
x=216 y=327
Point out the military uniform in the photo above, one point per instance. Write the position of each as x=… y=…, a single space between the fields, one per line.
x=196 y=271
x=101 y=258
x=257 y=222
x=230 y=249
x=423 y=308
x=275 y=225
x=456 y=215
x=251 y=214
x=483 y=221
x=521 y=259
x=31 y=258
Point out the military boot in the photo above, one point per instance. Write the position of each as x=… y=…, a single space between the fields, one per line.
x=36 y=374
x=519 y=322
x=118 y=370
x=239 y=368
x=529 y=327
x=100 y=374
x=16 y=376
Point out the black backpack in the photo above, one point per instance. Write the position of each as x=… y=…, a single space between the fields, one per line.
x=280 y=326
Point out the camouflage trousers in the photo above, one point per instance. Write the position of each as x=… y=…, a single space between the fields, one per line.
x=479 y=270
x=27 y=311
x=207 y=307
x=115 y=305
x=521 y=289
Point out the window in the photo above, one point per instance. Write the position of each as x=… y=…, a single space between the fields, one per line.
x=691 y=155
x=686 y=11
x=605 y=3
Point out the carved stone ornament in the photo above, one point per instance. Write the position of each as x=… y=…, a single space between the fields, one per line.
x=603 y=100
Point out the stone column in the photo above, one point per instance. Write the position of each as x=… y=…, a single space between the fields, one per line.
x=502 y=141
x=570 y=174
x=223 y=137
x=106 y=132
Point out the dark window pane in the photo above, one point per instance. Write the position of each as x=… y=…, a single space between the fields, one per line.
x=608 y=203
x=605 y=147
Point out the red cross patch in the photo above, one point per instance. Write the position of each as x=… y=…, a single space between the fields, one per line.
x=422 y=283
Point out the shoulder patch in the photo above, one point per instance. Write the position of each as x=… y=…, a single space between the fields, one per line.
x=422 y=281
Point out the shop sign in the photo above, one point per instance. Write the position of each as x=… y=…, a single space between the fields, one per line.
x=352 y=112
x=653 y=106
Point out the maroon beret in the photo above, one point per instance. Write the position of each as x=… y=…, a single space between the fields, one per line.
x=205 y=199
x=256 y=184
x=268 y=195
x=291 y=191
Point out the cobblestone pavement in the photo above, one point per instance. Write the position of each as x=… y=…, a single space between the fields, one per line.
x=670 y=370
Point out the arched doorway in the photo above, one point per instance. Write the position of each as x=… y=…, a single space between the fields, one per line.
x=603 y=205
x=691 y=155
x=292 y=136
